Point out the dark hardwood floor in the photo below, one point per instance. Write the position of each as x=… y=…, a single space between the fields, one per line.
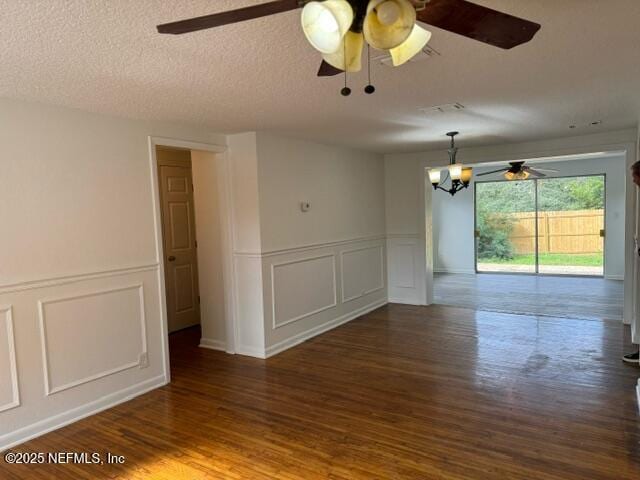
x=402 y=393
x=572 y=297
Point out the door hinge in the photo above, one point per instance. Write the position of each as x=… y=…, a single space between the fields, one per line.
x=196 y=244
x=198 y=299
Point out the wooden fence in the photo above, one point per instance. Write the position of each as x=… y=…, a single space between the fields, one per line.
x=575 y=231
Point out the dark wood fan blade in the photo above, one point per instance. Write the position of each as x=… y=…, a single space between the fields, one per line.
x=328 y=70
x=492 y=172
x=535 y=173
x=477 y=22
x=231 y=16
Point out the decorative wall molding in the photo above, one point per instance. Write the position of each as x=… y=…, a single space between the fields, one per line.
x=7 y=313
x=405 y=245
x=74 y=278
x=405 y=255
x=415 y=236
x=334 y=303
x=303 y=248
x=331 y=324
x=43 y=338
x=365 y=292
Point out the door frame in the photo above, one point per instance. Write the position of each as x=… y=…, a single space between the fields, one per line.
x=227 y=234
x=537 y=203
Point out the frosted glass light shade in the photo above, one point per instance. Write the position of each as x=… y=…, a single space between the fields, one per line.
x=455 y=171
x=434 y=176
x=381 y=34
x=467 y=174
x=325 y=24
x=351 y=50
x=411 y=46
x=521 y=175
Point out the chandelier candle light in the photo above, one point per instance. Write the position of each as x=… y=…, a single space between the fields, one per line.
x=459 y=174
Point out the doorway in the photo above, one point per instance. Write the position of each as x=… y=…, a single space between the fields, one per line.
x=541 y=226
x=180 y=260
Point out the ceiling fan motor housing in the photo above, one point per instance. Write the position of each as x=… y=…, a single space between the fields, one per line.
x=359 y=14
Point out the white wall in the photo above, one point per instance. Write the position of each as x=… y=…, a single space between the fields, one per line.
x=247 y=263
x=208 y=178
x=79 y=269
x=315 y=269
x=405 y=233
x=453 y=217
x=345 y=188
x=408 y=199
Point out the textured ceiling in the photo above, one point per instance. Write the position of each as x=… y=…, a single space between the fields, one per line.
x=105 y=56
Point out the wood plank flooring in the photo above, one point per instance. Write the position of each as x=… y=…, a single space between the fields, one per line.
x=573 y=297
x=401 y=393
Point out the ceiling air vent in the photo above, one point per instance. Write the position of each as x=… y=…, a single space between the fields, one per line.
x=448 y=108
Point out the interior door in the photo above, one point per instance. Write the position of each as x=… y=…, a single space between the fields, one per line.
x=178 y=221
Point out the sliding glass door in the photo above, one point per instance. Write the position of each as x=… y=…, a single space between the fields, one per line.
x=546 y=226
x=505 y=227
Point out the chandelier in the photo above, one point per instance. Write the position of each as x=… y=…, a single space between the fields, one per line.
x=459 y=175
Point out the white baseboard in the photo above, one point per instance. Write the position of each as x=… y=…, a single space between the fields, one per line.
x=60 y=420
x=251 y=351
x=614 y=277
x=455 y=270
x=213 y=344
x=405 y=301
x=301 y=337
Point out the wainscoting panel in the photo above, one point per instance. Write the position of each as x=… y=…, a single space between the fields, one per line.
x=9 y=395
x=311 y=289
x=76 y=344
x=404 y=255
x=303 y=287
x=91 y=335
x=362 y=271
x=402 y=271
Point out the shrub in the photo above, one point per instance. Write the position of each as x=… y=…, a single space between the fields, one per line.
x=494 y=240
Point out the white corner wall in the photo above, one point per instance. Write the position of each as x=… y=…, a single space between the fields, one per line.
x=80 y=304
x=454 y=243
x=209 y=205
x=326 y=266
x=247 y=263
x=405 y=232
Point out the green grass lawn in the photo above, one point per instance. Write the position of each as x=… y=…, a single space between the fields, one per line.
x=577 y=260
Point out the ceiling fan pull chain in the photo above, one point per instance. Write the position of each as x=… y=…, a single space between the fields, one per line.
x=346 y=91
x=369 y=89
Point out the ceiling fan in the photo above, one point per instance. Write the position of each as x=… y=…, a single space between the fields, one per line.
x=520 y=171
x=339 y=28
